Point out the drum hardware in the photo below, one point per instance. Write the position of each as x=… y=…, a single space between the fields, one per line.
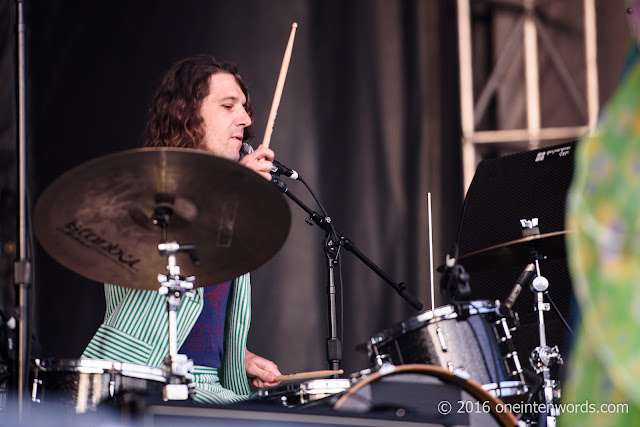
x=543 y=356
x=443 y=344
x=535 y=247
x=454 y=281
x=178 y=367
x=333 y=243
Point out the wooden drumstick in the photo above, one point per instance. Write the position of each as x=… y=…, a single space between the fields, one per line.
x=308 y=375
x=279 y=87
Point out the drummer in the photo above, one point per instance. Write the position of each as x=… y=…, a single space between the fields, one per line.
x=204 y=104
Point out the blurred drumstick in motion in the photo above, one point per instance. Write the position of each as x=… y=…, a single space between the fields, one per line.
x=279 y=87
x=308 y=375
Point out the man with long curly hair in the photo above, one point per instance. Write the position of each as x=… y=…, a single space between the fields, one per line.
x=201 y=103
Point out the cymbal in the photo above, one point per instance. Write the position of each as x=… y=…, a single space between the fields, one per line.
x=97 y=219
x=515 y=252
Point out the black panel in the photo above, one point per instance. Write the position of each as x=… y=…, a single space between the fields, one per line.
x=526 y=185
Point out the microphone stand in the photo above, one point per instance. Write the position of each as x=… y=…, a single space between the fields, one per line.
x=333 y=242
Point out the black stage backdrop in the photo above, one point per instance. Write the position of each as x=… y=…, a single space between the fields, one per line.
x=361 y=118
x=369 y=116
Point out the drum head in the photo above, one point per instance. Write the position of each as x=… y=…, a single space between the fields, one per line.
x=424 y=393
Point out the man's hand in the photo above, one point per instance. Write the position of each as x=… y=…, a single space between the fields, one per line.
x=260 y=371
x=260 y=161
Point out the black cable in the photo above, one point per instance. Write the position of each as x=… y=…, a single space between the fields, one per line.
x=341 y=314
x=559 y=314
x=324 y=212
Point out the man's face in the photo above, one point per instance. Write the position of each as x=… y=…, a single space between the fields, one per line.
x=225 y=118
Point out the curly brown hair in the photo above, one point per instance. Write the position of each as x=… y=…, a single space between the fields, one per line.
x=174 y=118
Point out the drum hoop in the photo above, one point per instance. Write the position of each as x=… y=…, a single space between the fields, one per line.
x=428 y=317
x=316 y=386
x=504 y=416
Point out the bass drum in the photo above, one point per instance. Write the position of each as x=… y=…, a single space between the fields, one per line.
x=424 y=393
x=84 y=385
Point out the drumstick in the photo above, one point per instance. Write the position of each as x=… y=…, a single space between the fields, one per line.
x=308 y=375
x=279 y=87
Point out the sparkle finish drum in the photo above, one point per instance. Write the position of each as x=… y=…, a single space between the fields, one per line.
x=471 y=339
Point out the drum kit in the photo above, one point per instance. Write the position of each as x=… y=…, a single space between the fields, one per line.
x=144 y=218
x=466 y=345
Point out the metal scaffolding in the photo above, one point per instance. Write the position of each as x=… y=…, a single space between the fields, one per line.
x=529 y=30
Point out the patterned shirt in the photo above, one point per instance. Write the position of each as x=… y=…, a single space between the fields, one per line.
x=205 y=342
x=604 y=258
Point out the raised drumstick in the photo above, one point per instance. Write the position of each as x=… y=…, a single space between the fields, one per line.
x=308 y=375
x=279 y=87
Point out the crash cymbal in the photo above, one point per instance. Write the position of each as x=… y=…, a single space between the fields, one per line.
x=97 y=219
x=515 y=252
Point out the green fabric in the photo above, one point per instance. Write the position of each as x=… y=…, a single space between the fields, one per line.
x=604 y=255
x=135 y=330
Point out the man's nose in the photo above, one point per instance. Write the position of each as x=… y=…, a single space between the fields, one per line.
x=245 y=119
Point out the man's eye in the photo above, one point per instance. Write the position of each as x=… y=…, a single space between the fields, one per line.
x=228 y=107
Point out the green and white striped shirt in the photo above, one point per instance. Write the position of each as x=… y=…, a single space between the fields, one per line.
x=135 y=329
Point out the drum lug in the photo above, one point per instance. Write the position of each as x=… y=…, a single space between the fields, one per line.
x=543 y=357
x=175 y=392
x=461 y=373
x=381 y=359
x=443 y=343
x=507 y=331
x=516 y=360
x=34 y=391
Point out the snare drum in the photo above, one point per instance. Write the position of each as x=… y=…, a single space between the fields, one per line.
x=82 y=385
x=472 y=339
x=424 y=393
x=293 y=394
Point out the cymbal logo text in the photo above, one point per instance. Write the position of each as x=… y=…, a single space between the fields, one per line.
x=87 y=237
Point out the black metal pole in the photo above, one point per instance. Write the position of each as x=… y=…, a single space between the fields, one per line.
x=22 y=267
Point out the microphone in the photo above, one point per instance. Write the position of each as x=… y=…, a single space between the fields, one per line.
x=524 y=277
x=280 y=169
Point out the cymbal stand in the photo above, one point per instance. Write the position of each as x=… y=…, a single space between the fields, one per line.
x=543 y=356
x=178 y=369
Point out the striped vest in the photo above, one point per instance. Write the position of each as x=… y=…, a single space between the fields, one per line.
x=135 y=330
